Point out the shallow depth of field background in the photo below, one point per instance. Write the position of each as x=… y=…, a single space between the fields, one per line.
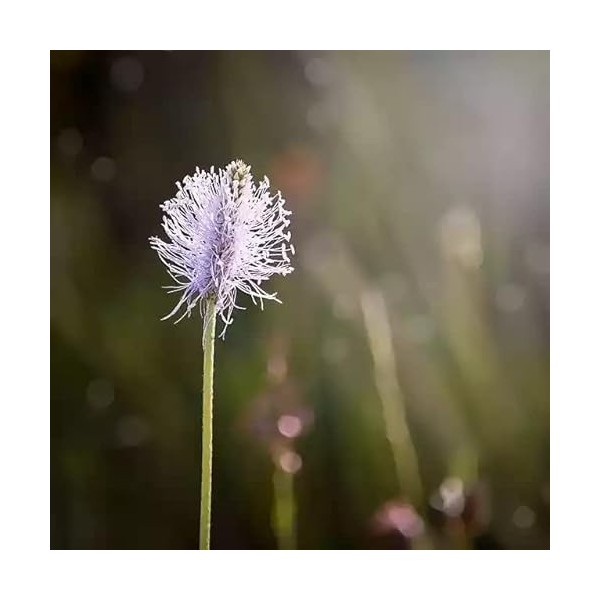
x=419 y=183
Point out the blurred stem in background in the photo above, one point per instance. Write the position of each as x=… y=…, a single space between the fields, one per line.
x=284 y=508
x=207 y=422
x=392 y=401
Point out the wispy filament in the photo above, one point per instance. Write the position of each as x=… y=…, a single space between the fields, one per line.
x=226 y=234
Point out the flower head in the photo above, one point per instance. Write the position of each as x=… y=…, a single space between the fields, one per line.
x=226 y=234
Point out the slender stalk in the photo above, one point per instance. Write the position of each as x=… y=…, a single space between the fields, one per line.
x=284 y=509
x=208 y=343
x=391 y=396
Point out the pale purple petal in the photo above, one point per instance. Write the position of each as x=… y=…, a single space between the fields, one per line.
x=225 y=235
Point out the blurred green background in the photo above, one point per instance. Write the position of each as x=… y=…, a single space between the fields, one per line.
x=399 y=397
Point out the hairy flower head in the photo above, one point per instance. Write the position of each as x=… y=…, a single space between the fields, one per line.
x=226 y=234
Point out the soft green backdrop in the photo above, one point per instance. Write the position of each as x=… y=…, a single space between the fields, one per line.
x=419 y=183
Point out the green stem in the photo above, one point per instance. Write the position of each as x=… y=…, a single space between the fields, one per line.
x=284 y=509
x=392 y=399
x=208 y=343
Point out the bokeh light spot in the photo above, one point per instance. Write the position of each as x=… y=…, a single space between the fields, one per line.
x=318 y=71
x=132 y=431
x=289 y=426
x=523 y=517
x=69 y=142
x=460 y=236
x=290 y=462
x=127 y=74
x=400 y=517
x=104 y=169
x=452 y=494
x=100 y=394
x=510 y=297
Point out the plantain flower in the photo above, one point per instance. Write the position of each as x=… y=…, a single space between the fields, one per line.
x=225 y=235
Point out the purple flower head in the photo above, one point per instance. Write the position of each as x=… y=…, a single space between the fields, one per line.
x=225 y=235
